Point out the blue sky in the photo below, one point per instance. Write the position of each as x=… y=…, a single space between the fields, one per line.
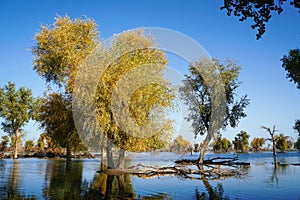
x=274 y=100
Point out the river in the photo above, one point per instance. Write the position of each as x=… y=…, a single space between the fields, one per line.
x=77 y=179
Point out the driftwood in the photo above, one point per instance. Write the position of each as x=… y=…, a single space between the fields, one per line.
x=151 y=171
x=227 y=161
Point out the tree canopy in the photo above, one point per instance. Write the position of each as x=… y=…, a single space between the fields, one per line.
x=291 y=63
x=61 y=47
x=257 y=143
x=281 y=142
x=241 y=142
x=260 y=11
x=180 y=144
x=297 y=126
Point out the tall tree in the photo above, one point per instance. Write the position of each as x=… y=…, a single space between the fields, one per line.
x=198 y=96
x=260 y=11
x=133 y=94
x=291 y=63
x=58 y=53
x=16 y=109
x=257 y=143
x=241 y=142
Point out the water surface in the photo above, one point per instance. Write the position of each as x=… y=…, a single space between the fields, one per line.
x=77 y=179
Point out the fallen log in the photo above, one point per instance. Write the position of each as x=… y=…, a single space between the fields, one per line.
x=143 y=171
x=228 y=161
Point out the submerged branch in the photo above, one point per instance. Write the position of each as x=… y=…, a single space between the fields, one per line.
x=151 y=171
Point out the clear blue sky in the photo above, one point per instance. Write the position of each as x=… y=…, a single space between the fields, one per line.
x=274 y=100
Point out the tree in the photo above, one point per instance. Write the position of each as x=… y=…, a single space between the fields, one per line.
x=56 y=117
x=226 y=144
x=281 y=142
x=135 y=59
x=222 y=144
x=257 y=143
x=29 y=144
x=241 y=142
x=59 y=51
x=297 y=126
x=291 y=64
x=197 y=94
x=272 y=134
x=61 y=47
x=4 y=142
x=297 y=144
x=259 y=10
x=16 y=109
x=180 y=144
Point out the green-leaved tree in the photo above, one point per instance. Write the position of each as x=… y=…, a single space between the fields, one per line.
x=198 y=96
x=241 y=142
x=16 y=109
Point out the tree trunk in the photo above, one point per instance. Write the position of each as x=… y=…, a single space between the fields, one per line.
x=103 y=163
x=16 y=145
x=109 y=156
x=121 y=159
x=69 y=152
x=274 y=150
x=204 y=147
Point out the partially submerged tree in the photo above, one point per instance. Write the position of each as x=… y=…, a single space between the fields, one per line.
x=272 y=134
x=197 y=94
x=58 y=53
x=16 y=109
x=257 y=143
x=241 y=142
x=132 y=95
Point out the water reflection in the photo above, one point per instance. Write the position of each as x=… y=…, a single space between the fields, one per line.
x=215 y=193
x=65 y=179
x=11 y=185
x=77 y=179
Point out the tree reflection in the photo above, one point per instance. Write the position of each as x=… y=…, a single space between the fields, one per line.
x=12 y=187
x=216 y=193
x=65 y=180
